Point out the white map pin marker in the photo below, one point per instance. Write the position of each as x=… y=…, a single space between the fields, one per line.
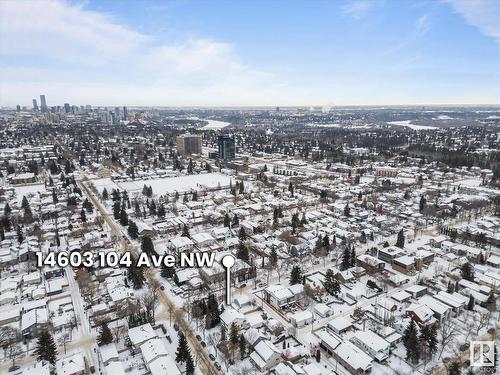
x=228 y=262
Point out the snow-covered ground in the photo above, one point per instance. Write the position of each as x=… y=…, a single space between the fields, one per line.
x=215 y=124
x=408 y=124
x=167 y=185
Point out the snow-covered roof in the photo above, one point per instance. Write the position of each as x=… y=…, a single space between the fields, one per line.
x=340 y=324
x=164 y=365
x=114 y=368
x=266 y=349
x=141 y=334
x=73 y=364
x=153 y=349
x=354 y=356
x=108 y=352
x=372 y=340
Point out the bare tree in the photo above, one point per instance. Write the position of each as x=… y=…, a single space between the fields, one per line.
x=150 y=302
x=481 y=321
x=447 y=333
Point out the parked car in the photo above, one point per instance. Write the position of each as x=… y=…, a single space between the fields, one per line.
x=211 y=356
x=217 y=366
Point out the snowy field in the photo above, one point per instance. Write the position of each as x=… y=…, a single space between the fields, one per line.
x=215 y=125
x=408 y=124
x=167 y=185
x=324 y=125
x=28 y=190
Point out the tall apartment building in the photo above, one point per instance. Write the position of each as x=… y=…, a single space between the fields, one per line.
x=188 y=144
x=43 y=103
x=226 y=147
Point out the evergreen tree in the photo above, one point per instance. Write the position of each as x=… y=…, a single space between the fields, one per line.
x=83 y=217
x=185 y=231
x=422 y=204
x=227 y=220
x=189 y=364
x=491 y=302
x=410 y=340
x=295 y=275
x=46 y=349
x=24 y=203
x=55 y=199
x=7 y=210
x=28 y=215
x=273 y=257
x=242 y=234
x=132 y=230
x=105 y=336
x=290 y=189
x=471 y=303
x=243 y=346
x=152 y=208
x=346 y=259
x=428 y=339
x=467 y=271
x=331 y=283
x=326 y=242
x=400 y=242
x=136 y=276
x=242 y=188
x=161 y=211
x=352 y=257
x=2 y=233
x=167 y=272
x=234 y=338
x=213 y=312
x=347 y=210
x=20 y=235
x=242 y=252
x=147 y=245
x=182 y=349
x=105 y=195
x=116 y=210
x=123 y=217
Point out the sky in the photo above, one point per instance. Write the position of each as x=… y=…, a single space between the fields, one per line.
x=250 y=53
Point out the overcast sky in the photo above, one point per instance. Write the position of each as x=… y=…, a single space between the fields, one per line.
x=183 y=53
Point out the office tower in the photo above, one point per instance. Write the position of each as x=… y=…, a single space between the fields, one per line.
x=125 y=113
x=43 y=103
x=227 y=148
x=117 y=113
x=35 y=105
x=18 y=108
x=67 y=108
x=188 y=144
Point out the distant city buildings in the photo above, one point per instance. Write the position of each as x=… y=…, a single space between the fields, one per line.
x=43 y=103
x=226 y=147
x=188 y=144
x=35 y=105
